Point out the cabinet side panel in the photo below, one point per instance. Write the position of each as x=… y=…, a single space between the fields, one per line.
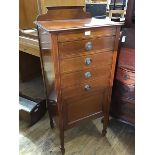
x=108 y=93
x=46 y=60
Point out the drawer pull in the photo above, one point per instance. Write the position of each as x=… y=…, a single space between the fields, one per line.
x=36 y=110
x=87 y=75
x=88 y=61
x=87 y=87
x=88 y=46
x=126 y=77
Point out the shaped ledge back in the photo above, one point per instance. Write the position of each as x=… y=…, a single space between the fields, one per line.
x=64 y=12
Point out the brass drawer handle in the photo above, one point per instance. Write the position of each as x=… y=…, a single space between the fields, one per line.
x=88 y=46
x=87 y=87
x=125 y=77
x=36 y=110
x=88 y=61
x=87 y=75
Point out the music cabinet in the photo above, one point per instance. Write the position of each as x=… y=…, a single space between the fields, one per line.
x=78 y=56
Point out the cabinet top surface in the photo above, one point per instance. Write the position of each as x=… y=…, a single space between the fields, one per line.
x=72 y=24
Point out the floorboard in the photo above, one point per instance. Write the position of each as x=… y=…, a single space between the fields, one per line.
x=84 y=139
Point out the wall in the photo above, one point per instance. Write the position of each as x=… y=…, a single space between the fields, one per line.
x=28 y=11
x=45 y=3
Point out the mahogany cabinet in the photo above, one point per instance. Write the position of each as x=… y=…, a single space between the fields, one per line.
x=82 y=53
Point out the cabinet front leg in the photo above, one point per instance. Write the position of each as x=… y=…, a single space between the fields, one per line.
x=61 y=129
x=106 y=108
x=62 y=140
x=105 y=124
x=50 y=113
x=52 y=123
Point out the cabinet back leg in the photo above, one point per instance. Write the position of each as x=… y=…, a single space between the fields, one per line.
x=105 y=124
x=62 y=141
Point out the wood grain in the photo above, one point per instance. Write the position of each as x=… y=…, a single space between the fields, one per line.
x=78 y=77
x=45 y=3
x=30 y=49
x=97 y=85
x=65 y=25
x=27 y=13
x=67 y=12
x=127 y=58
x=81 y=34
x=108 y=92
x=77 y=48
x=78 y=63
x=47 y=66
x=80 y=107
x=126 y=76
x=28 y=42
x=64 y=2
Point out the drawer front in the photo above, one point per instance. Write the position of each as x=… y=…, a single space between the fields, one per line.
x=86 y=88
x=85 y=34
x=122 y=90
x=81 y=108
x=125 y=76
x=127 y=58
x=126 y=110
x=123 y=108
x=85 y=62
x=70 y=49
x=76 y=78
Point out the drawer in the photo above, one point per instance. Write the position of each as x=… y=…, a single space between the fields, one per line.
x=85 y=62
x=125 y=76
x=76 y=78
x=127 y=58
x=85 y=34
x=77 y=109
x=70 y=49
x=126 y=110
x=123 y=109
x=121 y=90
x=86 y=88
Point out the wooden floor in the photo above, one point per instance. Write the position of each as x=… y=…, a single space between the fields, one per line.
x=85 y=139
